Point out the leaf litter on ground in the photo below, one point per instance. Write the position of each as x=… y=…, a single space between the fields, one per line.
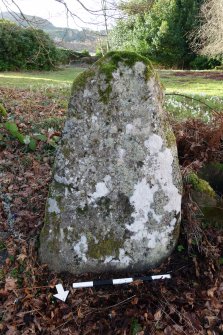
x=190 y=303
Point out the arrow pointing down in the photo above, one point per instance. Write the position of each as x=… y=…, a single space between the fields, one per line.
x=61 y=294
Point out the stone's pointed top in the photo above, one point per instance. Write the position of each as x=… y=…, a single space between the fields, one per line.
x=115 y=199
x=129 y=58
x=109 y=64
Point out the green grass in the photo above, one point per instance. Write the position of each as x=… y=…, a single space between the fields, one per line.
x=191 y=84
x=195 y=88
x=36 y=79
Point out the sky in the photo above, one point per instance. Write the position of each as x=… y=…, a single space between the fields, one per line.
x=55 y=12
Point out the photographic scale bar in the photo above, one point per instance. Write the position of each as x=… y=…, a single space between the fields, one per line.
x=62 y=295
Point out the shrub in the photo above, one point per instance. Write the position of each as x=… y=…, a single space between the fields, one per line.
x=25 y=48
x=204 y=63
x=85 y=53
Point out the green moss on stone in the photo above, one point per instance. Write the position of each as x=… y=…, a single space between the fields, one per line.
x=104 y=204
x=106 y=66
x=66 y=151
x=107 y=69
x=104 y=95
x=66 y=233
x=109 y=246
x=110 y=62
x=82 y=210
x=52 y=221
x=170 y=138
x=53 y=246
x=176 y=231
x=126 y=57
x=80 y=81
x=200 y=185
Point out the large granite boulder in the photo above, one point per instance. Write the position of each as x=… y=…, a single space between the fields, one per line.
x=115 y=199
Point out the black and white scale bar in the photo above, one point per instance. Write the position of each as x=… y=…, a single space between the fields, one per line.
x=119 y=281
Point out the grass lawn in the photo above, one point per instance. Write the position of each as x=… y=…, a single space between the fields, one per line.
x=36 y=79
x=192 y=93
x=204 y=83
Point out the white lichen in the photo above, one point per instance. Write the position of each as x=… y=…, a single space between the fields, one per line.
x=61 y=180
x=102 y=189
x=129 y=128
x=121 y=155
x=94 y=119
x=141 y=200
x=154 y=144
x=159 y=172
x=87 y=94
x=81 y=248
x=123 y=258
x=140 y=68
x=52 y=206
x=162 y=170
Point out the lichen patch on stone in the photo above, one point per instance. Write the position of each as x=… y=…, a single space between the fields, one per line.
x=102 y=189
x=81 y=247
x=154 y=144
x=52 y=206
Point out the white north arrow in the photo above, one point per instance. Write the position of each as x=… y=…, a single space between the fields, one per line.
x=61 y=294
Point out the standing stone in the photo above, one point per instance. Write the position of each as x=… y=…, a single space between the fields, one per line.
x=115 y=199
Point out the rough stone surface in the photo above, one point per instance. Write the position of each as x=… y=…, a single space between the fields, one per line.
x=115 y=200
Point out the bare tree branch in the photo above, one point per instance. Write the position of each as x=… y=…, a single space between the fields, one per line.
x=107 y=12
x=208 y=38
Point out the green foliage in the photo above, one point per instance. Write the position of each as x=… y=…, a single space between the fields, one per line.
x=85 y=53
x=130 y=35
x=133 y=7
x=203 y=63
x=64 y=55
x=2 y=245
x=135 y=327
x=40 y=137
x=99 y=53
x=25 y=48
x=180 y=248
x=14 y=131
x=160 y=33
x=31 y=142
x=3 y=110
x=200 y=185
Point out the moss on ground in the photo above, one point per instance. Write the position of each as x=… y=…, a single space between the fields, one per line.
x=200 y=185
